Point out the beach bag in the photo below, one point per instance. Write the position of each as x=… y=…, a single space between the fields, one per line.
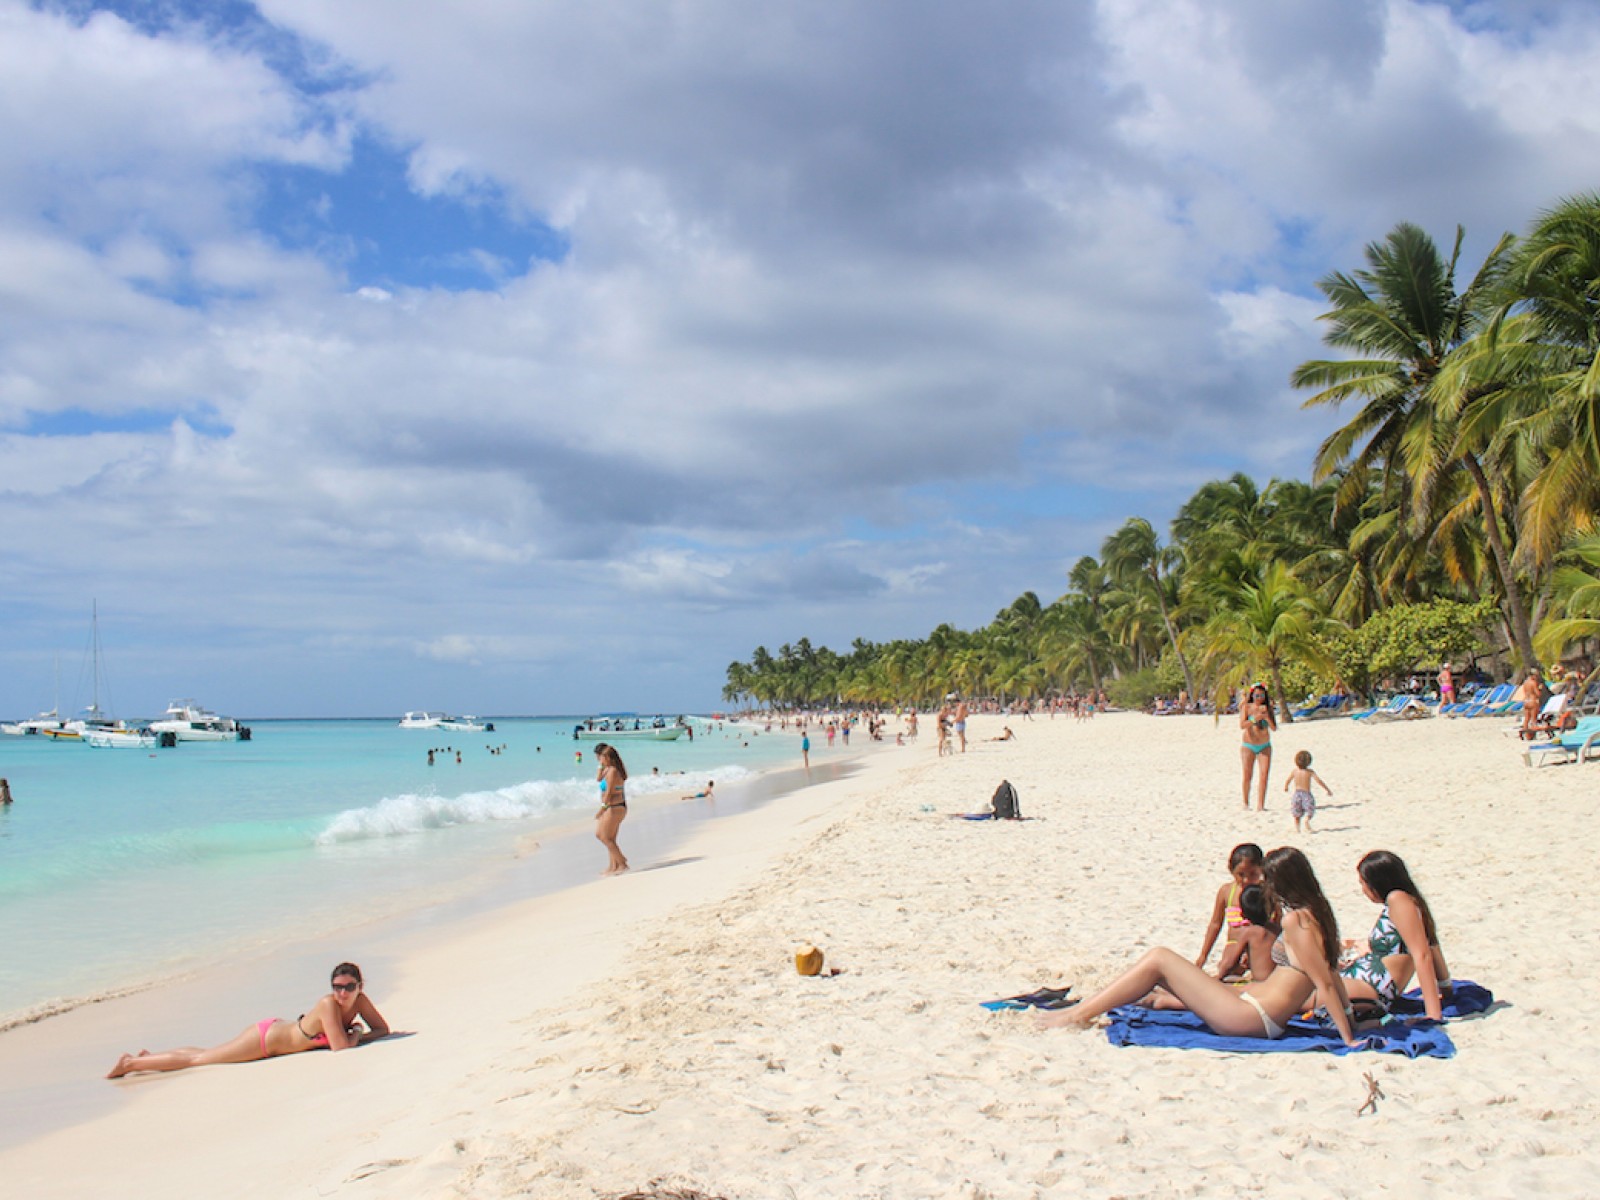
x=1005 y=804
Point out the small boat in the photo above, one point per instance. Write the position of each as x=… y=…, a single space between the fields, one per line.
x=439 y=720
x=121 y=739
x=600 y=729
x=188 y=722
x=33 y=726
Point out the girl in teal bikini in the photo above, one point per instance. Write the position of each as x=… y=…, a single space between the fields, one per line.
x=1256 y=721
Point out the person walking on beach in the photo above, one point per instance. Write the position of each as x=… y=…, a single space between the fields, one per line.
x=332 y=1022
x=1256 y=723
x=612 y=777
x=805 y=750
x=960 y=720
x=1304 y=802
x=1447 y=685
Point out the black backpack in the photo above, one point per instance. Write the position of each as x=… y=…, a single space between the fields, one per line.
x=1006 y=807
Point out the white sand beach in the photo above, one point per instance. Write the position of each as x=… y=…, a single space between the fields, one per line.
x=651 y=1029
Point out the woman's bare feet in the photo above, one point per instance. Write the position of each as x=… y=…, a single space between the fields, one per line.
x=1064 y=1018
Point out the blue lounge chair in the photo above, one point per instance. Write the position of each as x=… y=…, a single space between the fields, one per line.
x=1391 y=709
x=1466 y=702
x=1581 y=744
x=1498 y=696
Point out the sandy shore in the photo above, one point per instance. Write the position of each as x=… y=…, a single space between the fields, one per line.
x=653 y=1028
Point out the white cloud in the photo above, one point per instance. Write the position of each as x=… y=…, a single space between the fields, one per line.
x=826 y=271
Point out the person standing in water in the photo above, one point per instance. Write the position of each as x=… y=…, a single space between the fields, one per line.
x=612 y=777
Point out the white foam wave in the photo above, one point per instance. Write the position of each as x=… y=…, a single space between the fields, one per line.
x=403 y=815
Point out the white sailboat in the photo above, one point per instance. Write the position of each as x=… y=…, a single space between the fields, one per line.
x=92 y=721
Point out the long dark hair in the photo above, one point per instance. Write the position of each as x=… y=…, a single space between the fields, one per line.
x=1293 y=884
x=349 y=969
x=607 y=753
x=1385 y=872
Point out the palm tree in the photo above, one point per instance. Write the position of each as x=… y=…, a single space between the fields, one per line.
x=1263 y=622
x=1405 y=317
x=1546 y=363
x=1135 y=558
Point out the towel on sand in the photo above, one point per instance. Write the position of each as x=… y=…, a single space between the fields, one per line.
x=1468 y=999
x=1132 y=1026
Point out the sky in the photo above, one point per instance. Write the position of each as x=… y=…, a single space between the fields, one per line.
x=534 y=356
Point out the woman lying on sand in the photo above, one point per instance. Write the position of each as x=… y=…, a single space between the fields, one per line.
x=1403 y=943
x=1305 y=956
x=331 y=1022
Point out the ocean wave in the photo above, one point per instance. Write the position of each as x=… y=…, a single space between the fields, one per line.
x=413 y=813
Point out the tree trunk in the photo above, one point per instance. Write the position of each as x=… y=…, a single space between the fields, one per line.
x=1172 y=633
x=1517 y=613
x=1277 y=689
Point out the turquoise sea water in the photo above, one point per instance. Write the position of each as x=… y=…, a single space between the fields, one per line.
x=122 y=866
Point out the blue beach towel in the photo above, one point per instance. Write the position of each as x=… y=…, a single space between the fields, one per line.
x=1468 y=1000
x=1132 y=1026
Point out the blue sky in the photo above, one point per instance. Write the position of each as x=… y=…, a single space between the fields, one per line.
x=514 y=357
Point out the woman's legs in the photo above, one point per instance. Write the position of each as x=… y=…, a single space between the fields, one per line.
x=606 y=831
x=1248 y=758
x=244 y=1048
x=1213 y=1001
x=1263 y=769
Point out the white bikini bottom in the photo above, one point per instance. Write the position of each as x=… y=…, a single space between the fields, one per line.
x=1272 y=1028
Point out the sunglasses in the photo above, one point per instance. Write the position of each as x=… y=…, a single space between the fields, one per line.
x=346 y=987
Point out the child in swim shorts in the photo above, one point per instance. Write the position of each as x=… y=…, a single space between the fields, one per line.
x=1303 y=804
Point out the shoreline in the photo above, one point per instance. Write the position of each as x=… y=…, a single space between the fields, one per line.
x=458 y=864
x=547 y=862
x=652 y=1028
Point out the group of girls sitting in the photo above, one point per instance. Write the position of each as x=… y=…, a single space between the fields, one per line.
x=1282 y=933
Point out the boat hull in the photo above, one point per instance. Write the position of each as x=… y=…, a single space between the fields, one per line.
x=670 y=734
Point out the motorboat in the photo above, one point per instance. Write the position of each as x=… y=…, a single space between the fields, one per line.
x=33 y=726
x=190 y=723
x=439 y=720
x=122 y=739
x=600 y=729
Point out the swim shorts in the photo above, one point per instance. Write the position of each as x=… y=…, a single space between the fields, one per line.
x=1304 y=805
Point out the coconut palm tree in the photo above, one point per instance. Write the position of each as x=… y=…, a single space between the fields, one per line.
x=1262 y=622
x=1135 y=558
x=1403 y=317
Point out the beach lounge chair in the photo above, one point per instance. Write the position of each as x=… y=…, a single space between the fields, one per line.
x=1589 y=703
x=1576 y=745
x=1468 y=699
x=1386 y=711
x=1402 y=708
x=1495 y=698
x=1549 y=718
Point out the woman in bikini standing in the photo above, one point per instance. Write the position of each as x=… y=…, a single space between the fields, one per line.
x=1256 y=723
x=330 y=1022
x=1306 y=956
x=613 y=805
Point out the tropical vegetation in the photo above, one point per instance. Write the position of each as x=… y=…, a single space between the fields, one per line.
x=1451 y=517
